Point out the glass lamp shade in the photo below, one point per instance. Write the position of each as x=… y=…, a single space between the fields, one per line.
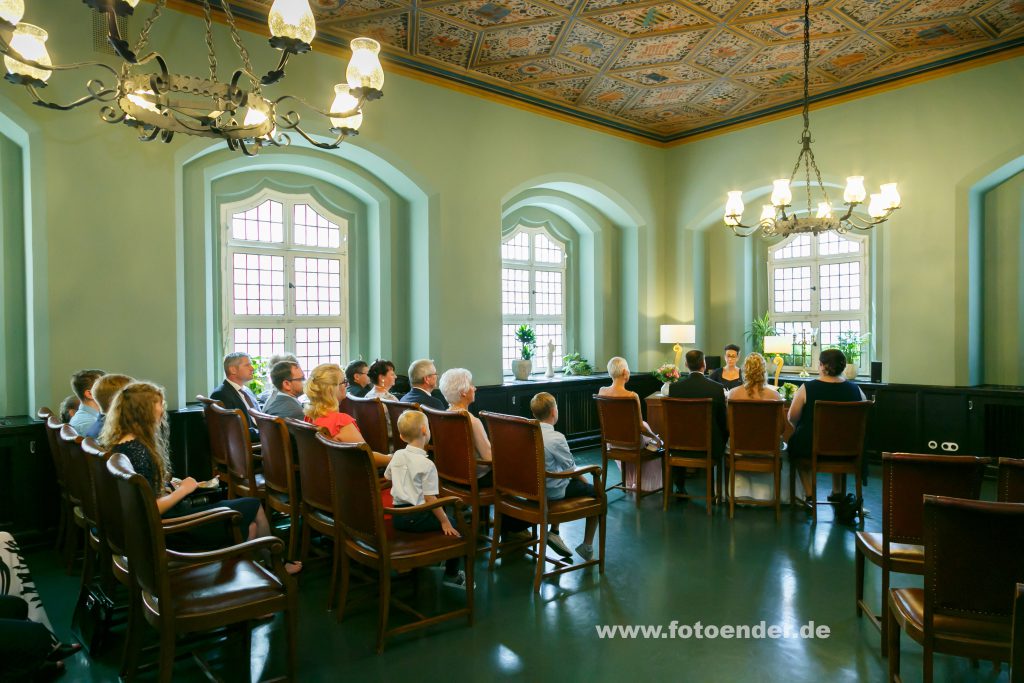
x=678 y=334
x=892 y=196
x=364 y=69
x=854 y=192
x=345 y=103
x=734 y=207
x=824 y=210
x=139 y=99
x=877 y=206
x=781 y=194
x=767 y=212
x=292 y=19
x=132 y=3
x=254 y=117
x=30 y=42
x=12 y=11
x=780 y=344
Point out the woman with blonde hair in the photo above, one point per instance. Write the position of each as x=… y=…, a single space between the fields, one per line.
x=137 y=428
x=325 y=390
x=755 y=382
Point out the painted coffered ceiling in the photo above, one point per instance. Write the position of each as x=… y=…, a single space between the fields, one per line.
x=668 y=69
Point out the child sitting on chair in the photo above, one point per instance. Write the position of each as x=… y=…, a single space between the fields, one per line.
x=413 y=480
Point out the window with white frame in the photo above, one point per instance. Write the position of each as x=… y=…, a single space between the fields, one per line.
x=285 y=275
x=533 y=292
x=818 y=285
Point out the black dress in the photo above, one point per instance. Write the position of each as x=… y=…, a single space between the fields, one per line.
x=729 y=384
x=800 y=443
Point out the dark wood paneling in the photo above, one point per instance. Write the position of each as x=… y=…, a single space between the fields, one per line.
x=29 y=498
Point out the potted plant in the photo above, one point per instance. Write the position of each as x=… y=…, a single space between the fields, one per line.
x=575 y=364
x=759 y=329
x=522 y=367
x=787 y=391
x=260 y=372
x=666 y=374
x=851 y=344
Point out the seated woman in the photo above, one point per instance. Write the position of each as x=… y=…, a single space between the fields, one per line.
x=137 y=427
x=382 y=378
x=325 y=390
x=618 y=369
x=757 y=485
x=730 y=376
x=829 y=386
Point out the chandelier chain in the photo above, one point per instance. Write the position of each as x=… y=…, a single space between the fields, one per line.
x=144 y=33
x=211 y=55
x=246 y=62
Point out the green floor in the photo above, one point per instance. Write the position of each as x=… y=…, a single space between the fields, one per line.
x=661 y=567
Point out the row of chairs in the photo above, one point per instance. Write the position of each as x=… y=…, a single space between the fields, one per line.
x=754 y=444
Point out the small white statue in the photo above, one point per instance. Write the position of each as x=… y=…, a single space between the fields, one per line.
x=551 y=359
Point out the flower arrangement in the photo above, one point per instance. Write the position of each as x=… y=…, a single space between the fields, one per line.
x=788 y=390
x=667 y=373
x=528 y=338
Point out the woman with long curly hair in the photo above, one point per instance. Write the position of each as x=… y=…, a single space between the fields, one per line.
x=755 y=382
x=137 y=427
x=325 y=389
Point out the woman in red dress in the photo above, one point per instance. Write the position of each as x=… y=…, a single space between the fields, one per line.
x=325 y=389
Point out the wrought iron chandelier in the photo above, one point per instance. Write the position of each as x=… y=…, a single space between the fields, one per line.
x=159 y=102
x=775 y=221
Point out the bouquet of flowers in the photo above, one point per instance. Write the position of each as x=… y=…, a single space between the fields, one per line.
x=667 y=373
x=788 y=390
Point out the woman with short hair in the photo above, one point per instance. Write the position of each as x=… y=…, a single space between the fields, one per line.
x=729 y=376
x=382 y=378
x=618 y=369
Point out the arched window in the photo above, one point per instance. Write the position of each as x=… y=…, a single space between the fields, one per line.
x=818 y=285
x=533 y=292
x=285 y=279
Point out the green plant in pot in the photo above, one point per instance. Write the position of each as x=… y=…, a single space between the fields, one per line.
x=260 y=372
x=852 y=346
x=522 y=367
x=575 y=364
x=759 y=329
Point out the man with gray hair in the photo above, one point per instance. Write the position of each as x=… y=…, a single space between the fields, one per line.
x=423 y=377
x=233 y=392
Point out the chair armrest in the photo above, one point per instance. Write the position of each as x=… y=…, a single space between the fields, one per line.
x=173 y=526
x=478 y=461
x=413 y=509
x=580 y=470
x=173 y=521
x=272 y=543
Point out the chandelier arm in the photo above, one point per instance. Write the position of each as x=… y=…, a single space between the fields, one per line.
x=97 y=93
x=319 y=145
x=117 y=41
x=358 y=107
x=277 y=74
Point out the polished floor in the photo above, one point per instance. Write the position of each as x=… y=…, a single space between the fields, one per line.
x=661 y=567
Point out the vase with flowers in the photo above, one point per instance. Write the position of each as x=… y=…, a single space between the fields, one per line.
x=666 y=374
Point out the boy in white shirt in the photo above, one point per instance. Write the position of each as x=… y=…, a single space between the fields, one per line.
x=413 y=480
x=558 y=458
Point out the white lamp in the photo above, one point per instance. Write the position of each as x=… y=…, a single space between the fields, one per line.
x=678 y=335
x=778 y=344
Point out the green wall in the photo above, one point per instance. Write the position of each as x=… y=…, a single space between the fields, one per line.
x=1003 y=283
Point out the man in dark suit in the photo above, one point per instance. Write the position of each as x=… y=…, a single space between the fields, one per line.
x=423 y=377
x=358 y=381
x=696 y=385
x=233 y=392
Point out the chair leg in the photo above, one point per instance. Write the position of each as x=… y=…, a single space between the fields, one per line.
x=343 y=595
x=304 y=553
x=666 y=484
x=496 y=541
x=468 y=561
x=293 y=533
x=638 y=485
x=927 y=663
x=814 y=496
x=542 y=553
x=859 y=566
x=130 y=658
x=385 y=605
x=710 y=488
x=860 y=498
x=777 y=491
x=338 y=551
x=732 y=487
x=884 y=616
x=601 y=533
x=893 y=645
x=167 y=646
x=792 y=483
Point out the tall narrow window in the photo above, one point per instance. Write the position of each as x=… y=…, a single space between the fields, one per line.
x=285 y=279
x=818 y=285
x=533 y=292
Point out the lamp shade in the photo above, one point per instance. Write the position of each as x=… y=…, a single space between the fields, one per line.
x=781 y=194
x=364 y=69
x=29 y=42
x=780 y=343
x=678 y=334
x=292 y=19
x=347 y=106
x=12 y=11
x=734 y=208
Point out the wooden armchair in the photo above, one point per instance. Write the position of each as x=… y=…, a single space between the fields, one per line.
x=1011 y=480
x=972 y=565
x=455 y=458
x=837 y=448
x=372 y=419
x=906 y=479
x=370 y=542
x=280 y=486
x=233 y=430
x=1017 y=653
x=521 y=492
x=207 y=590
x=687 y=440
x=68 y=532
x=621 y=440
x=218 y=450
x=395 y=410
x=755 y=430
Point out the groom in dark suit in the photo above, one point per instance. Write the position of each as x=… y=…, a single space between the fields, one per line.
x=696 y=385
x=233 y=392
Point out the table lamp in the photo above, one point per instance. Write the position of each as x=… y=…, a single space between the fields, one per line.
x=778 y=344
x=678 y=335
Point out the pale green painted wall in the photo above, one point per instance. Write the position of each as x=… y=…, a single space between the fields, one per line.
x=1003 y=283
x=13 y=345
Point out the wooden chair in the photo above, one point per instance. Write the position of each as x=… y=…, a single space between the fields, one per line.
x=368 y=541
x=1017 y=653
x=208 y=590
x=837 y=448
x=687 y=437
x=520 y=489
x=282 y=492
x=455 y=458
x=755 y=432
x=906 y=479
x=972 y=565
x=218 y=451
x=372 y=419
x=395 y=410
x=79 y=494
x=621 y=440
x=233 y=430
x=65 y=525
x=1011 y=481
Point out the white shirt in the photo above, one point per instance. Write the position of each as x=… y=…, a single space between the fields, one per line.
x=412 y=476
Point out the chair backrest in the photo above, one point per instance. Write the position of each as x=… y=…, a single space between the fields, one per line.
x=218 y=451
x=76 y=471
x=358 y=509
x=144 y=538
x=395 y=410
x=972 y=559
x=454 y=453
x=1011 y=480
x=372 y=418
x=755 y=427
x=687 y=424
x=314 y=466
x=278 y=460
x=233 y=428
x=1017 y=646
x=839 y=427
x=517 y=452
x=53 y=426
x=908 y=477
x=108 y=508
x=620 y=422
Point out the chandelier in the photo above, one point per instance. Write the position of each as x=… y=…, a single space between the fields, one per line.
x=146 y=95
x=775 y=221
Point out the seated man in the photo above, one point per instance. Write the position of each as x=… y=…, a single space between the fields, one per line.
x=358 y=379
x=423 y=377
x=269 y=389
x=287 y=378
x=233 y=393
x=88 y=410
x=696 y=385
x=104 y=391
